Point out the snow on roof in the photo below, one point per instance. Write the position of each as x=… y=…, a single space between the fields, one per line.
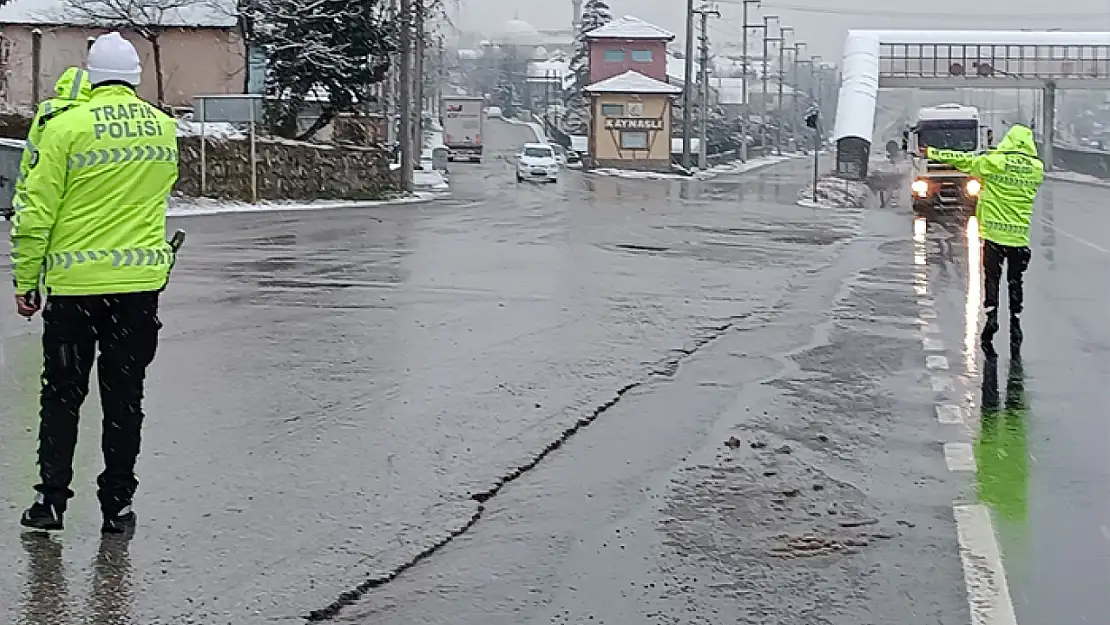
x=632 y=82
x=200 y=14
x=859 y=86
x=629 y=27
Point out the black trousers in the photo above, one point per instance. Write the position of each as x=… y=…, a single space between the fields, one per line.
x=1017 y=261
x=125 y=329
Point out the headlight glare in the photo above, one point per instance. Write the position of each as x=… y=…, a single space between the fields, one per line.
x=974 y=187
x=920 y=187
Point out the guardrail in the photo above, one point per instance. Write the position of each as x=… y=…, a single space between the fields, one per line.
x=1082 y=160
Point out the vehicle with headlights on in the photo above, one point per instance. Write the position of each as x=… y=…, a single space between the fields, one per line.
x=945 y=127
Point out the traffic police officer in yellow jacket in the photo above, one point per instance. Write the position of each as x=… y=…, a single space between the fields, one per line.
x=90 y=230
x=71 y=89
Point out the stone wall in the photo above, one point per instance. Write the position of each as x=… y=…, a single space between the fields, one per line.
x=14 y=125
x=287 y=170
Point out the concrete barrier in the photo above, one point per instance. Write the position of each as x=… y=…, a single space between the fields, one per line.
x=1082 y=160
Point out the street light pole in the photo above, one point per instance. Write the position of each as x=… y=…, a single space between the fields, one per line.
x=703 y=148
x=767 y=19
x=745 y=123
x=687 y=86
x=782 y=72
x=794 y=113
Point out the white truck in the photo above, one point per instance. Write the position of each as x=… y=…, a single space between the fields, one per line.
x=945 y=127
x=462 y=127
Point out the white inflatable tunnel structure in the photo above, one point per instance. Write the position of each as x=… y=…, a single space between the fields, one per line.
x=862 y=71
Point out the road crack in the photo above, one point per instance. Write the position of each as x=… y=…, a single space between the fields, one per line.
x=664 y=369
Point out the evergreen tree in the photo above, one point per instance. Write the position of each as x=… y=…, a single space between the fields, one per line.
x=329 y=51
x=595 y=14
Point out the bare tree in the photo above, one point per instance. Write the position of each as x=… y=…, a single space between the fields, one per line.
x=148 y=18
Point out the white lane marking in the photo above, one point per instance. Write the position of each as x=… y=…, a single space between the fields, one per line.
x=1079 y=239
x=936 y=362
x=988 y=593
x=942 y=383
x=928 y=314
x=949 y=414
x=933 y=344
x=926 y=302
x=920 y=290
x=959 y=457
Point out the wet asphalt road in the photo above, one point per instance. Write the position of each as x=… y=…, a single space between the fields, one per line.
x=629 y=401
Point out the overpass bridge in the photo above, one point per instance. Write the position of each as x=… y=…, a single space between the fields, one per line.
x=959 y=59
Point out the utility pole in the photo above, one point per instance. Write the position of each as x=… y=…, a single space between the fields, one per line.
x=703 y=147
x=794 y=112
x=404 y=104
x=782 y=76
x=390 y=91
x=441 y=78
x=688 y=85
x=418 y=75
x=767 y=19
x=746 y=122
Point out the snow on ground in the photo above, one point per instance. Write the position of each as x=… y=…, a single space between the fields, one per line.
x=537 y=129
x=739 y=167
x=431 y=180
x=195 y=207
x=213 y=130
x=834 y=193
x=734 y=167
x=633 y=174
x=1070 y=176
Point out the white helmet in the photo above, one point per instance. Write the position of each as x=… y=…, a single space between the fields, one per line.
x=113 y=58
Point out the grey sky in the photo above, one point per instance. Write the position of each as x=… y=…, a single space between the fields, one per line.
x=824 y=26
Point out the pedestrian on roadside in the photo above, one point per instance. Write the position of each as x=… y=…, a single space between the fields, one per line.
x=72 y=89
x=1010 y=174
x=90 y=230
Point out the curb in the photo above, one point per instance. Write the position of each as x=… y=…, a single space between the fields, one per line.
x=420 y=197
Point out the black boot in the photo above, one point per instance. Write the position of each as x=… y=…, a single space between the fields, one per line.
x=43 y=515
x=1016 y=335
x=121 y=521
x=989 y=330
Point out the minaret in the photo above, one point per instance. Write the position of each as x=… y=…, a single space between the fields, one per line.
x=576 y=23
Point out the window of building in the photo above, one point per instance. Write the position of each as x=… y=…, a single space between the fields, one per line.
x=612 y=110
x=614 y=56
x=642 y=56
x=634 y=140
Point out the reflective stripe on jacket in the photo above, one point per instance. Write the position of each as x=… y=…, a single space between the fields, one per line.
x=92 y=219
x=72 y=89
x=1011 y=176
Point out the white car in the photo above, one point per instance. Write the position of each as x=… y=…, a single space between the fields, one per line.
x=493 y=111
x=536 y=161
